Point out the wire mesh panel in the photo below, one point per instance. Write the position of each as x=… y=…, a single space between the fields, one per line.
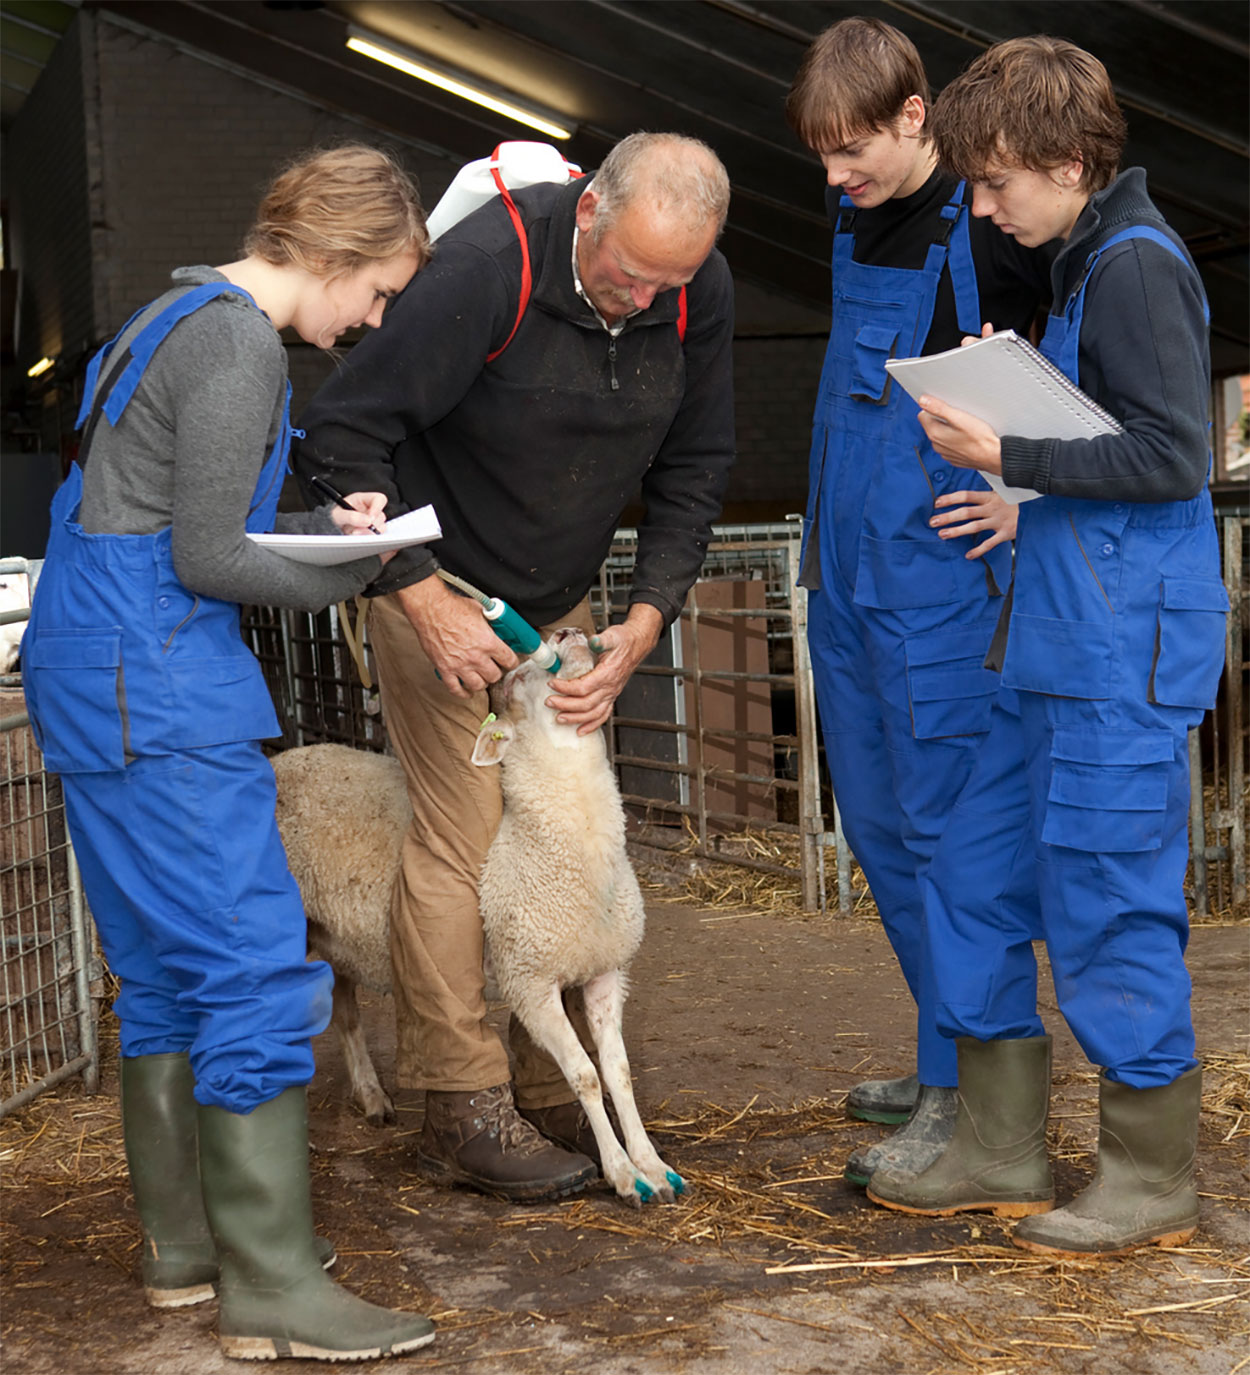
x=316 y=683
x=47 y=964
x=1218 y=763
x=715 y=736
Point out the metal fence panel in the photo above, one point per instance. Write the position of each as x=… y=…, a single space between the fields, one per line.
x=697 y=774
x=47 y=957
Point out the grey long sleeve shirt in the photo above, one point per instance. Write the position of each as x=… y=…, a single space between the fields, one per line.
x=188 y=450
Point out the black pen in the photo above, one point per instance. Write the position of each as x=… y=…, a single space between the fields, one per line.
x=328 y=489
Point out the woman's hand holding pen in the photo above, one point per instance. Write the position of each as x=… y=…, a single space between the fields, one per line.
x=363 y=514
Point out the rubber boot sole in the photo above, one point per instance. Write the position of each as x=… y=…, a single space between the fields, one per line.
x=882 y=1115
x=179 y=1298
x=1165 y=1239
x=440 y=1172
x=201 y=1293
x=275 y=1348
x=999 y=1209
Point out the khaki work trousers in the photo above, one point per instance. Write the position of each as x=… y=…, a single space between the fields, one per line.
x=443 y=1040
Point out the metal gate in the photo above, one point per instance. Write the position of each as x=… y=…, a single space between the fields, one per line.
x=47 y=961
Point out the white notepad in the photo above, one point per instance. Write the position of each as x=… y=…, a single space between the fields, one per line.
x=415 y=527
x=1004 y=381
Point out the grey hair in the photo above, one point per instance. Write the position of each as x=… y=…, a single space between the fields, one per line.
x=682 y=176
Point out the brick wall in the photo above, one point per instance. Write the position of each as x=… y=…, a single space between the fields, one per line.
x=163 y=163
x=49 y=218
x=188 y=148
x=775 y=383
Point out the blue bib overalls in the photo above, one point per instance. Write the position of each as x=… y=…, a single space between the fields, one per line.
x=899 y=620
x=146 y=701
x=1076 y=814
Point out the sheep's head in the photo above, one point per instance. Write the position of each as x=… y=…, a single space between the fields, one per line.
x=520 y=698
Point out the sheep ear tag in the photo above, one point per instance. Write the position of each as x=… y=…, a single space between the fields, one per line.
x=492 y=742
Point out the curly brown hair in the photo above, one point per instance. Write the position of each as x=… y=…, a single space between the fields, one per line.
x=1031 y=102
x=332 y=211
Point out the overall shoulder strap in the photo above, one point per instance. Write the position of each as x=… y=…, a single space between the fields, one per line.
x=113 y=395
x=963 y=269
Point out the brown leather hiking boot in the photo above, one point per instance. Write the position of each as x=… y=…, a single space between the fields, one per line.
x=480 y=1140
x=567 y=1125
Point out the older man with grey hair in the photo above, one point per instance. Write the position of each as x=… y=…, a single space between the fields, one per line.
x=529 y=423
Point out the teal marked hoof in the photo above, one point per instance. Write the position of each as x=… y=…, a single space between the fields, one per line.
x=678 y=1183
x=643 y=1190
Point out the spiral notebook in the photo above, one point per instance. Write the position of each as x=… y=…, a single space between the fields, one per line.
x=1004 y=381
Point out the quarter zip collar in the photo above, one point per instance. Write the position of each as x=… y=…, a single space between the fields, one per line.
x=555 y=289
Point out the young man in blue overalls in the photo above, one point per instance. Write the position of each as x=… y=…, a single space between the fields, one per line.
x=901 y=611
x=1076 y=811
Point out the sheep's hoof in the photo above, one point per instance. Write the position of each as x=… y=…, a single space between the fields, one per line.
x=644 y=1191
x=379 y=1113
x=678 y=1183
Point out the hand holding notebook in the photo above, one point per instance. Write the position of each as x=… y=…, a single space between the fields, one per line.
x=1004 y=381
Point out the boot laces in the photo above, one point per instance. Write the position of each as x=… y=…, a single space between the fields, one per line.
x=498 y=1113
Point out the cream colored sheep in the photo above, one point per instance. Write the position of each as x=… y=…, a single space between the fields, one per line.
x=561 y=906
x=343 y=814
x=560 y=903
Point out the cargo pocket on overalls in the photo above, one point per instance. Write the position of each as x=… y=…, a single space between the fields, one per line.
x=77 y=699
x=874 y=344
x=949 y=689
x=221 y=701
x=1108 y=789
x=1189 y=642
x=1060 y=658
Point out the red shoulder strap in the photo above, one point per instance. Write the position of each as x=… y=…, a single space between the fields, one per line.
x=527 y=276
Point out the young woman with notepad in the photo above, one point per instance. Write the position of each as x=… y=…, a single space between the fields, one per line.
x=146 y=701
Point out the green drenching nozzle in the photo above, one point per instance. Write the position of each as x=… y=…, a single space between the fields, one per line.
x=511 y=627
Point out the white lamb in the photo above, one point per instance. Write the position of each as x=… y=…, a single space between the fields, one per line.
x=560 y=903
x=561 y=906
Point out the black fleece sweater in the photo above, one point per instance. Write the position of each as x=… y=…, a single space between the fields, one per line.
x=530 y=459
x=1143 y=356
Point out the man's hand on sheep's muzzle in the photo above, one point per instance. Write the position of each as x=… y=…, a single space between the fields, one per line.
x=587 y=702
x=456 y=637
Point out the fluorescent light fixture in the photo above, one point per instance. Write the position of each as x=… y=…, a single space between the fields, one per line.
x=458 y=83
x=40 y=368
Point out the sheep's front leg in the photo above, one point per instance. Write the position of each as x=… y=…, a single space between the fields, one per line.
x=604 y=998
x=367 y=1090
x=547 y=1022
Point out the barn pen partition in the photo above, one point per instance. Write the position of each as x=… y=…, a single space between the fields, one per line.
x=716 y=739
x=49 y=970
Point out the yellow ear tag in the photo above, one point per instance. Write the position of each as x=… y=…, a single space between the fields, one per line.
x=497 y=735
x=489 y=718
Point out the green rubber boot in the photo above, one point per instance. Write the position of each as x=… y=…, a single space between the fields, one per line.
x=162 y=1150
x=1142 y=1193
x=884 y=1100
x=916 y=1145
x=276 y=1300
x=996 y=1161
